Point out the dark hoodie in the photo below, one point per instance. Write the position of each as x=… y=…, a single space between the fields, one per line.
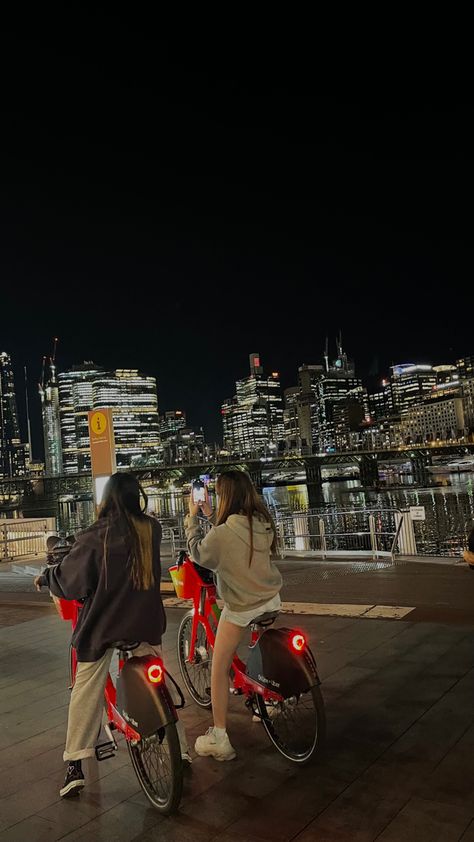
x=113 y=609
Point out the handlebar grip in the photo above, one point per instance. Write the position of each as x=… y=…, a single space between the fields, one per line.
x=181 y=557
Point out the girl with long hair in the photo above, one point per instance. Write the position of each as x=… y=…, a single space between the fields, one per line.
x=238 y=548
x=114 y=567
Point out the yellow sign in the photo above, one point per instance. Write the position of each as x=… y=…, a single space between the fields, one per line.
x=101 y=431
x=98 y=423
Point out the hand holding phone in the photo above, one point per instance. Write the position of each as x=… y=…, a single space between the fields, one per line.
x=199 y=491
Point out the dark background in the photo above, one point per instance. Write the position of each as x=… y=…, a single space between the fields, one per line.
x=174 y=209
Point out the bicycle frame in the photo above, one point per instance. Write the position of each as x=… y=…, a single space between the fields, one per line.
x=204 y=607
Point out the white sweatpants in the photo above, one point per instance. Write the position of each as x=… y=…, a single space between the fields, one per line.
x=86 y=705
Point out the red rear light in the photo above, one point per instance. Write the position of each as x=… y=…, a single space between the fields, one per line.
x=298 y=642
x=155 y=673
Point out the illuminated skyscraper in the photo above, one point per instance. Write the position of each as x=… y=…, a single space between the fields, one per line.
x=410 y=384
x=253 y=419
x=12 y=451
x=327 y=401
x=49 y=394
x=75 y=400
x=133 y=399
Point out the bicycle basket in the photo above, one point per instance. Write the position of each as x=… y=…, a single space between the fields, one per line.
x=66 y=608
x=182 y=581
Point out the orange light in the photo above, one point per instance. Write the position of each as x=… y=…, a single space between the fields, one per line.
x=155 y=673
x=298 y=642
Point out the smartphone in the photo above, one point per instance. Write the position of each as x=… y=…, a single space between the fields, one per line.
x=199 y=491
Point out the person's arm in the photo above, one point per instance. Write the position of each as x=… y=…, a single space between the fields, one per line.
x=76 y=576
x=203 y=549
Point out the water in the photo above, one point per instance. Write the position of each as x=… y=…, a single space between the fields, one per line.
x=449 y=510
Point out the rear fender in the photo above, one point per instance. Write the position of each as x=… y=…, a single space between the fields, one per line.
x=145 y=705
x=277 y=666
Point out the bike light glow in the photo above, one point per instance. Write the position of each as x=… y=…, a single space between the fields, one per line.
x=155 y=673
x=298 y=642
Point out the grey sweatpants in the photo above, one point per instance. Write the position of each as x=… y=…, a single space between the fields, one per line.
x=87 y=704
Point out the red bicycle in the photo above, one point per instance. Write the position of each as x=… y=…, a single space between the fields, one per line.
x=140 y=707
x=280 y=679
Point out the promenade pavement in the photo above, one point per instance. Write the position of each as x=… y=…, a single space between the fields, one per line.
x=399 y=696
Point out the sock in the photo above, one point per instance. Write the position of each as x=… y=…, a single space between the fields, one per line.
x=219 y=733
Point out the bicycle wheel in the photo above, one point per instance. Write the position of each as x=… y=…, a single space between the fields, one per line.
x=196 y=674
x=159 y=768
x=296 y=726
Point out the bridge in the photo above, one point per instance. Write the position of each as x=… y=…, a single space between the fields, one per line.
x=14 y=492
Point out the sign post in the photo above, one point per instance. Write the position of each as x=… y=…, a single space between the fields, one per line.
x=101 y=435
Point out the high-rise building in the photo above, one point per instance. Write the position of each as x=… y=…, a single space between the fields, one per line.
x=13 y=454
x=290 y=419
x=465 y=367
x=411 y=383
x=435 y=419
x=253 y=418
x=49 y=395
x=468 y=406
x=133 y=399
x=381 y=404
x=171 y=422
x=446 y=374
x=75 y=400
x=323 y=419
x=309 y=377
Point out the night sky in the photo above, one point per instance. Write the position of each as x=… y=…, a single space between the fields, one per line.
x=174 y=210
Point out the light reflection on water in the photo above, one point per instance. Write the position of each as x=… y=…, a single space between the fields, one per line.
x=449 y=509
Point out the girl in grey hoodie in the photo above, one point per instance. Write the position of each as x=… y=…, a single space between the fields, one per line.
x=238 y=548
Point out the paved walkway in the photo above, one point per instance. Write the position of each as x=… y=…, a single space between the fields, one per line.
x=399 y=763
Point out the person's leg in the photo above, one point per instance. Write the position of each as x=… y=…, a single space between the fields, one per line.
x=228 y=638
x=216 y=742
x=84 y=720
x=86 y=707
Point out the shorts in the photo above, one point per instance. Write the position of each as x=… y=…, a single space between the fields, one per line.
x=244 y=618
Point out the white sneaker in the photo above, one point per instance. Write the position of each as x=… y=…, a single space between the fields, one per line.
x=209 y=746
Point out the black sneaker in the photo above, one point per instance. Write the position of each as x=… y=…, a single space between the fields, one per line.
x=74 y=780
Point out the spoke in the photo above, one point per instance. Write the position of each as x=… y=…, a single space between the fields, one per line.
x=155 y=760
x=294 y=723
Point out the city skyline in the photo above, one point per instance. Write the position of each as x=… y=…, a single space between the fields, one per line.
x=317 y=413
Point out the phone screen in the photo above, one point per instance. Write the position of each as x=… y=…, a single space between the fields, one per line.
x=199 y=491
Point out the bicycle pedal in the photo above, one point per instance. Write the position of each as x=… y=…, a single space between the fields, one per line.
x=105 y=750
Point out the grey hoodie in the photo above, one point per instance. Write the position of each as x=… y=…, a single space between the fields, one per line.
x=226 y=549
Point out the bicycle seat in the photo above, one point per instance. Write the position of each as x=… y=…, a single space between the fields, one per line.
x=266 y=619
x=124 y=646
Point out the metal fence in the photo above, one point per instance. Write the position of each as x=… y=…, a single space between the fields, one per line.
x=372 y=533
x=24 y=536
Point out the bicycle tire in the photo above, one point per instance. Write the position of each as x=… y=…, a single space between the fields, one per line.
x=197 y=676
x=148 y=757
x=292 y=742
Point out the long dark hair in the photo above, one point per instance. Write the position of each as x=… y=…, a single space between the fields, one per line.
x=238 y=496
x=124 y=497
